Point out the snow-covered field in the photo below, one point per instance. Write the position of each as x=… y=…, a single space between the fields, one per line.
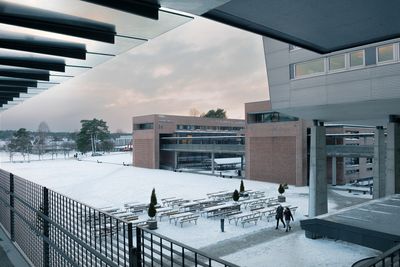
x=104 y=181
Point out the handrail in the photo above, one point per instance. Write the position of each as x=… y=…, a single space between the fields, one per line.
x=381 y=258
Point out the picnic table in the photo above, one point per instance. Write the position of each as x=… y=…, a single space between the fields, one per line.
x=177 y=216
x=167 y=213
x=190 y=205
x=109 y=209
x=243 y=216
x=138 y=207
x=213 y=209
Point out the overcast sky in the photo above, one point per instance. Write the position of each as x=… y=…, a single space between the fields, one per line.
x=202 y=64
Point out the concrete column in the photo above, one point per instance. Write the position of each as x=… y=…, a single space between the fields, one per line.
x=379 y=162
x=334 y=175
x=175 y=160
x=393 y=156
x=318 y=202
x=212 y=163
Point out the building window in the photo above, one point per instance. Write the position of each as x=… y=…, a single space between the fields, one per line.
x=385 y=53
x=369 y=160
x=369 y=169
x=337 y=62
x=357 y=58
x=143 y=126
x=309 y=68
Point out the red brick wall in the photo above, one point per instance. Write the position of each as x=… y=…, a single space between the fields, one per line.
x=272 y=159
x=143 y=156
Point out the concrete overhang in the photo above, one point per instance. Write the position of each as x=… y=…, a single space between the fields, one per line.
x=44 y=42
x=319 y=26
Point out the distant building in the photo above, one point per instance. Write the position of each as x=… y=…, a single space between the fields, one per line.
x=277 y=148
x=171 y=142
x=123 y=143
x=276 y=145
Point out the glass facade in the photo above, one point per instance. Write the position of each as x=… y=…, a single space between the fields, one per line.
x=183 y=127
x=269 y=117
x=385 y=53
x=309 y=67
x=357 y=58
x=337 y=62
x=143 y=126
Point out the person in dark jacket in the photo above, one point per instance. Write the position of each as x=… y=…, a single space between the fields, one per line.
x=279 y=216
x=288 y=215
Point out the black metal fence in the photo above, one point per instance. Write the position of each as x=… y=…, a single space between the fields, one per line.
x=54 y=230
x=158 y=250
x=390 y=258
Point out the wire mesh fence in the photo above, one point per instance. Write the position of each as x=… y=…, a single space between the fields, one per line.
x=54 y=230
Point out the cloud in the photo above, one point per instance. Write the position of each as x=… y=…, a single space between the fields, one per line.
x=201 y=65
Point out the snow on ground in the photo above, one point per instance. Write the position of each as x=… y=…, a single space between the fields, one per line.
x=296 y=250
x=104 y=180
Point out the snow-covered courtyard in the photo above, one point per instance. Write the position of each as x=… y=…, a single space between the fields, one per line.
x=107 y=181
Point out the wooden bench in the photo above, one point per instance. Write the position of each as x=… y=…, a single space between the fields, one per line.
x=248 y=220
x=189 y=219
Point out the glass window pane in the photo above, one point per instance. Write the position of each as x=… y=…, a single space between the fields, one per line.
x=357 y=58
x=385 y=53
x=309 y=67
x=336 y=62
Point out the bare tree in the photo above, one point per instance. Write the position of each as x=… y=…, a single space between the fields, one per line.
x=194 y=112
x=41 y=139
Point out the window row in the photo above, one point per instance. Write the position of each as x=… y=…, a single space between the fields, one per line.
x=355 y=59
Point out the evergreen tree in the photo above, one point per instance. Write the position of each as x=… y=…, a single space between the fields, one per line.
x=281 y=189
x=218 y=113
x=152 y=211
x=241 y=186
x=91 y=132
x=153 y=198
x=20 y=142
x=235 y=195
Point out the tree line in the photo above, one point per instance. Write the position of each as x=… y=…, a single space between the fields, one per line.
x=93 y=136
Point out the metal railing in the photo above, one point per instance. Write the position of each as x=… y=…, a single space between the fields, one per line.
x=158 y=250
x=54 y=230
x=390 y=258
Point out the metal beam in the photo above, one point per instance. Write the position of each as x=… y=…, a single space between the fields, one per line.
x=8 y=89
x=5 y=94
x=148 y=9
x=35 y=63
x=41 y=45
x=23 y=73
x=45 y=20
x=364 y=151
x=18 y=82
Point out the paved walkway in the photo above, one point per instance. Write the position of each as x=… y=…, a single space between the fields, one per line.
x=9 y=255
x=237 y=244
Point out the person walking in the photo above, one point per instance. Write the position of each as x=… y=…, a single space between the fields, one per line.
x=288 y=215
x=279 y=216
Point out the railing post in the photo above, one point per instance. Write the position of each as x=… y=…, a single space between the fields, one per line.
x=138 y=249
x=12 y=218
x=46 y=246
x=134 y=257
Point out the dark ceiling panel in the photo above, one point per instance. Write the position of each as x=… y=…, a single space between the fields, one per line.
x=23 y=73
x=9 y=94
x=35 y=63
x=18 y=82
x=320 y=26
x=56 y=22
x=36 y=44
x=10 y=89
x=148 y=9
